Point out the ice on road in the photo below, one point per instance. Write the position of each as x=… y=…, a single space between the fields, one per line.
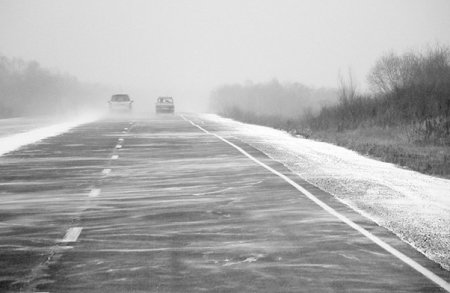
x=414 y=206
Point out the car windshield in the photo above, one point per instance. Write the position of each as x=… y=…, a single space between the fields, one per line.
x=165 y=100
x=120 y=98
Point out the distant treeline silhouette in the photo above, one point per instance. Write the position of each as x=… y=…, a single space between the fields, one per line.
x=289 y=100
x=28 y=89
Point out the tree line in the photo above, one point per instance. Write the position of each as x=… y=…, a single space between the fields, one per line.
x=291 y=100
x=410 y=89
x=26 y=88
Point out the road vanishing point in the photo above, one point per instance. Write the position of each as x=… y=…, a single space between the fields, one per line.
x=174 y=203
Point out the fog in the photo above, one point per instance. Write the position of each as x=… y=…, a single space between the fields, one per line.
x=291 y=101
x=28 y=89
x=186 y=49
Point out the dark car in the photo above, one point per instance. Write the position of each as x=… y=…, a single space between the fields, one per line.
x=120 y=102
x=165 y=105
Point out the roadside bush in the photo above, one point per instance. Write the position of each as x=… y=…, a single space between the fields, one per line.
x=405 y=120
x=412 y=89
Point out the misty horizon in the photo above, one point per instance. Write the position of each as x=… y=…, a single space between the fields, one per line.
x=187 y=49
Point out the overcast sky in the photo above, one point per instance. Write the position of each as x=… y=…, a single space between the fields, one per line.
x=185 y=48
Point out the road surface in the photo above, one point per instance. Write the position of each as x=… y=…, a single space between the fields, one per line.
x=171 y=203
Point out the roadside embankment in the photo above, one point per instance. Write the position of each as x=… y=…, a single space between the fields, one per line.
x=389 y=145
x=414 y=206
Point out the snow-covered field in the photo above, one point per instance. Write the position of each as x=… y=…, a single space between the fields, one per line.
x=414 y=206
x=17 y=132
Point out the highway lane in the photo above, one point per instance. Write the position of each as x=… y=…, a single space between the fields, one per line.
x=154 y=204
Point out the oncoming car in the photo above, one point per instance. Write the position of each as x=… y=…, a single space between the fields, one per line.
x=165 y=105
x=120 y=102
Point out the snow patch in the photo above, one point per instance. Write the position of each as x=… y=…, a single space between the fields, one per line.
x=414 y=206
x=15 y=141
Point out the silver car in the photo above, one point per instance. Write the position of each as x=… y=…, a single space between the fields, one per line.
x=165 y=105
x=120 y=102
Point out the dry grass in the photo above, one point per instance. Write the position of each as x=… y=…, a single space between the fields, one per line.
x=392 y=145
x=403 y=145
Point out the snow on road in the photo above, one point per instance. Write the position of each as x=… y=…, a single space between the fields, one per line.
x=416 y=207
x=17 y=132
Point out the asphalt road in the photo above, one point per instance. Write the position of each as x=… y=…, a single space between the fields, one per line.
x=157 y=204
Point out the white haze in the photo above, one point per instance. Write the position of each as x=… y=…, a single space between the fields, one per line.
x=186 y=48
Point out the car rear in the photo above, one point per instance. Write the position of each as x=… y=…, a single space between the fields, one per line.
x=120 y=103
x=165 y=105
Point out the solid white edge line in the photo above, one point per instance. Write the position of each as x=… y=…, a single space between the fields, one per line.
x=72 y=234
x=407 y=260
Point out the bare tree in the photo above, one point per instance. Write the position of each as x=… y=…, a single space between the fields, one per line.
x=347 y=87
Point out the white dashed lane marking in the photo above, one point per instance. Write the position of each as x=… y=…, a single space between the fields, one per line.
x=121 y=139
x=118 y=146
x=94 y=192
x=114 y=157
x=72 y=235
